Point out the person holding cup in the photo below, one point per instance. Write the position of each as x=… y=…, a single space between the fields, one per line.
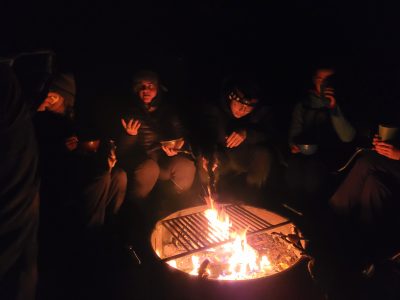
x=320 y=137
x=369 y=190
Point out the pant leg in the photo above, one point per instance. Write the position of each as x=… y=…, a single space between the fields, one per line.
x=93 y=199
x=361 y=186
x=142 y=179
x=259 y=166
x=180 y=171
x=306 y=178
x=375 y=192
x=117 y=192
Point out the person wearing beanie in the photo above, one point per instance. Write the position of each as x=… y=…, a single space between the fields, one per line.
x=81 y=188
x=61 y=96
x=57 y=137
x=239 y=136
x=152 y=145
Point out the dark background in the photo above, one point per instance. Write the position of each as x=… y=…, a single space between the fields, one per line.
x=194 y=44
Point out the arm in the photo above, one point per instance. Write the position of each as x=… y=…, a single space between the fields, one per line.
x=343 y=128
x=296 y=127
x=129 y=136
x=262 y=127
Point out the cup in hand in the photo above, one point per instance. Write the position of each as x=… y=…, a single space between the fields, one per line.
x=308 y=149
x=387 y=132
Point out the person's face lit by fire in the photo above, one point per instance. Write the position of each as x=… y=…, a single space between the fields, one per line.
x=320 y=76
x=54 y=102
x=238 y=108
x=146 y=90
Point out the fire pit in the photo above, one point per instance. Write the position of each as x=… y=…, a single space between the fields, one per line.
x=232 y=242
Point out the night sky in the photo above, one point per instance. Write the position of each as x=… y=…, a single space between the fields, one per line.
x=193 y=44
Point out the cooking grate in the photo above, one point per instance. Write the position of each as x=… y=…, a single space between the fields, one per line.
x=194 y=233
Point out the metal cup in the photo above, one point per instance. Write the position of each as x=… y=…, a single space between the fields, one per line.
x=387 y=132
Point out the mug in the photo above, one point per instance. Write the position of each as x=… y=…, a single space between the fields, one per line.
x=387 y=132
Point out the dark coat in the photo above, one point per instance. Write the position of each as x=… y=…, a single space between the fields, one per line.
x=218 y=123
x=162 y=124
x=19 y=182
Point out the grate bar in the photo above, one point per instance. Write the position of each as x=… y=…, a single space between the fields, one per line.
x=202 y=235
x=188 y=230
x=224 y=242
x=250 y=223
x=243 y=225
x=175 y=234
x=195 y=234
x=213 y=233
x=249 y=215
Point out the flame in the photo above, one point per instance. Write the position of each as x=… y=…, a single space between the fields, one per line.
x=243 y=260
x=195 y=264
x=239 y=260
x=172 y=263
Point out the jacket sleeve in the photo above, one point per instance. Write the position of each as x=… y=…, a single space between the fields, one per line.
x=343 y=128
x=262 y=129
x=296 y=127
x=125 y=142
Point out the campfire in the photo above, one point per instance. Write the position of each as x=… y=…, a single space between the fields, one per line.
x=227 y=242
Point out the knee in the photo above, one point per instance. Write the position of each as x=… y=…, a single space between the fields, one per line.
x=183 y=173
x=148 y=170
x=368 y=161
x=119 y=177
x=262 y=155
x=260 y=167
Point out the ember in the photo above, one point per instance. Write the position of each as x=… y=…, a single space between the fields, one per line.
x=229 y=242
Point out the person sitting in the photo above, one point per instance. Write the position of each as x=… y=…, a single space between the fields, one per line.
x=55 y=130
x=368 y=192
x=318 y=123
x=238 y=139
x=68 y=171
x=358 y=236
x=98 y=188
x=152 y=145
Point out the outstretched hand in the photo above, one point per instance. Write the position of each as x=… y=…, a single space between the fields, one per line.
x=385 y=149
x=71 y=143
x=172 y=151
x=236 y=138
x=132 y=127
x=294 y=149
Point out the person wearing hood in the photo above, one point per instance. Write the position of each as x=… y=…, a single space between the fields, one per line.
x=19 y=192
x=320 y=138
x=152 y=145
x=319 y=117
x=239 y=138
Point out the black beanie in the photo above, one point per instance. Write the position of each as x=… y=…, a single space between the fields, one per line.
x=64 y=84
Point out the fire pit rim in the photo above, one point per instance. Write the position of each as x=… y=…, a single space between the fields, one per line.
x=300 y=259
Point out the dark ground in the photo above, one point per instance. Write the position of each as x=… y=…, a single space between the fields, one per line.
x=105 y=267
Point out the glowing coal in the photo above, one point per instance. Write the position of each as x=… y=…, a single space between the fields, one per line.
x=228 y=242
